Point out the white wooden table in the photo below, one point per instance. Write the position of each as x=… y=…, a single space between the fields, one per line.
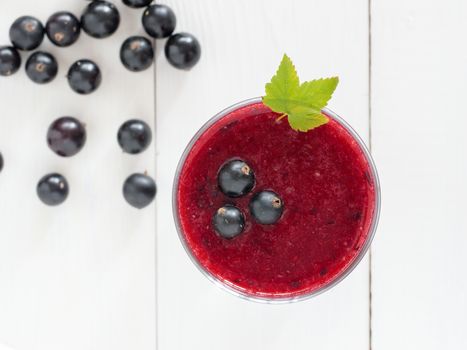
x=96 y=274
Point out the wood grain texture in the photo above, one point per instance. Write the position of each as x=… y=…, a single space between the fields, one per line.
x=419 y=69
x=243 y=42
x=82 y=275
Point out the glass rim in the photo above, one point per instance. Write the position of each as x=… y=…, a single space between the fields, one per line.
x=286 y=299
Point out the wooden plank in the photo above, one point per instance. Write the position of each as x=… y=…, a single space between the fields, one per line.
x=243 y=42
x=82 y=275
x=419 y=65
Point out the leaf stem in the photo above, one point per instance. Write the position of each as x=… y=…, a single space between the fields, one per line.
x=281 y=117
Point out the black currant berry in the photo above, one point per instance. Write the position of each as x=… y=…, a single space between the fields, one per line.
x=236 y=178
x=84 y=76
x=266 y=207
x=1 y=162
x=26 y=33
x=63 y=28
x=41 y=67
x=66 y=136
x=137 y=3
x=183 y=50
x=228 y=221
x=10 y=60
x=100 y=19
x=134 y=136
x=137 y=53
x=139 y=190
x=159 y=21
x=53 y=189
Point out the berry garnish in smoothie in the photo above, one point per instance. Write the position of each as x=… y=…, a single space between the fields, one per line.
x=236 y=178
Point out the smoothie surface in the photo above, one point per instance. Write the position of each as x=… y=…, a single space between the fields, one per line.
x=327 y=188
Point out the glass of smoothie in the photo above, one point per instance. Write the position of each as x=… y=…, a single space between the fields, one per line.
x=271 y=214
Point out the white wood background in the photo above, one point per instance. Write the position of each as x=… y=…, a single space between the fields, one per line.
x=84 y=275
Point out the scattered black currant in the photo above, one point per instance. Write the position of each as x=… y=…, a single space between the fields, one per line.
x=139 y=190
x=266 y=207
x=236 y=178
x=63 y=28
x=41 y=67
x=66 y=136
x=100 y=19
x=134 y=136
x=1 y=162
x=159 y=21
x=228 y=221
x=53 y=189
x=183 y=50
x=26 y=33
x=137 y=3
x=10 y=60
x=137 y=53
x=84 y=76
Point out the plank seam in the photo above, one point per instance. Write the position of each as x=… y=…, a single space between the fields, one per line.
x=156 y=257
x=370 y=257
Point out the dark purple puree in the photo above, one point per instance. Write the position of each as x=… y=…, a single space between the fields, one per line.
x=324 y=180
